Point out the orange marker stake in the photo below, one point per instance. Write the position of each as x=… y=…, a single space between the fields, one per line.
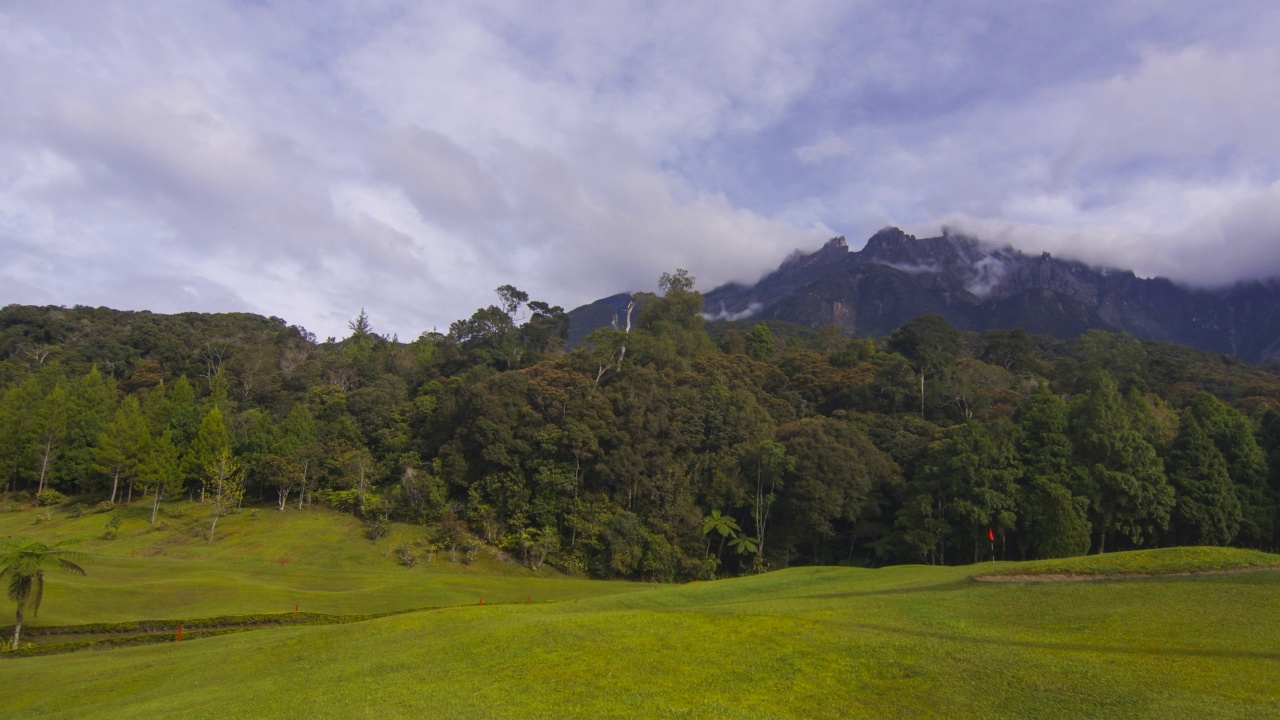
x=179 y=634
x=295 y=608
x=481 y=601
x=132 y=553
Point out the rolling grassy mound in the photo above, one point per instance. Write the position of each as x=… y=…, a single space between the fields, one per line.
x=329 y=566
x=907 y=641
x=1140 y=563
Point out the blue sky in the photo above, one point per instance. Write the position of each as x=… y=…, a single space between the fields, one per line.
x=308 y=159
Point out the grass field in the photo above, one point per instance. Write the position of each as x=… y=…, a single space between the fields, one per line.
x=907 y=641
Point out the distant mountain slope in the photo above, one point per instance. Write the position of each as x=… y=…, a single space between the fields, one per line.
x=976 y=286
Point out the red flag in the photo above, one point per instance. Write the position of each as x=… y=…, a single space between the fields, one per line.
x=991 y=535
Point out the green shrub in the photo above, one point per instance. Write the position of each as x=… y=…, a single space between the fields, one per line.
x=77 y=510
x=106 y=506
x=378 y=528
x=113 y=527
x=407 y=555
x=49 y=497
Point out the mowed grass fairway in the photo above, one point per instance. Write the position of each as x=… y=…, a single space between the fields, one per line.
x=902 y=642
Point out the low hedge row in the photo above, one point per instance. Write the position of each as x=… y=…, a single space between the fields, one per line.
x=147 y=632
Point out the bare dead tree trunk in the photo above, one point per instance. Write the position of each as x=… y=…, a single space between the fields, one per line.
x=302 y=489
x=155 y=505
x=46 y=457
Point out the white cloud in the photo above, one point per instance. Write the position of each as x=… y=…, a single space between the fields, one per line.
x=309 y=160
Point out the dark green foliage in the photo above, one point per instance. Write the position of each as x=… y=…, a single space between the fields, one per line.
x=1062 y=527
x=608 y=459
x=1054 y=519
x=1246 y=464
x=1207 y=511
x=1122 y=474
x=759 y=344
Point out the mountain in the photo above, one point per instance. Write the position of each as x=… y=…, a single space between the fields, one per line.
x=978 y=286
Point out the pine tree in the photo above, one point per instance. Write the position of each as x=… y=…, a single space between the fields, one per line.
x=223 y=482
x=123 y=445
x=17 y=430
x=161 y=473
x=1124 y=478
x=1246 y=463
x=209 y=443
x=49 y=434
x=1055 y=519
x=93 y=403
x=1207 y=511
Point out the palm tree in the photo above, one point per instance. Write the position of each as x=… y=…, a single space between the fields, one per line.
x=24 y=565
x=723 y=524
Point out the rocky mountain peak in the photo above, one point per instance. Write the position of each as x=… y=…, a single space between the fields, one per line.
x=979 y=286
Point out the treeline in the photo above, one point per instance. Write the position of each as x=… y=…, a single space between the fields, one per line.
x=654 y=450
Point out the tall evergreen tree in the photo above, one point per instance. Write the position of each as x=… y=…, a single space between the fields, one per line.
x=123 y=446
x=161 y=473
x=1123 y=477
x=17 y=430
x=1207 y=511
x=1055 y=520
x=49 y=435
x=93 y=403
x=1233 y=435
x=206 y=449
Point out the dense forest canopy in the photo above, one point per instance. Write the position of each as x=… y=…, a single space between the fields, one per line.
x=660 y=448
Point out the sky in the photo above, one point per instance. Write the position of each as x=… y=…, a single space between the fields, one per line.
x=309 y=159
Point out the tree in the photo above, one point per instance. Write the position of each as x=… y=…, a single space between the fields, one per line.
x=724 y=525
x=759 y=344
x=836 y=468
x=50 y=433
x=1012 y=350
x=211 y=440
x=1055 y=520
x=92 y=404
x=930 y=343
x=161 y=472
x=24 y=566
x=1246 y=464
x=1207 y=511
x=122 y=446
x=290 y=461
x=971 y=477
x=224 y=484
x=672 y=325
x=1123 y=476
x=769 y=463
x=17 y=429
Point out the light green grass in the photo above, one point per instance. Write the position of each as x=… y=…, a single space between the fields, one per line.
x=899 y=642
x=1164 y=561
x=330 y=567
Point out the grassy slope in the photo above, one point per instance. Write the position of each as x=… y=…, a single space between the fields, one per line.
x=329 y=567
x=806 y=642
x=1165 y=561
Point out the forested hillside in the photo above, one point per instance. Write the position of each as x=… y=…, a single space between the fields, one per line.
x=662 y=449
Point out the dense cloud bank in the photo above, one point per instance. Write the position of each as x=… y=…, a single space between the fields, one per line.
x=312 y=160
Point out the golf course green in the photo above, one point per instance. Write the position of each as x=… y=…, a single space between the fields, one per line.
x=1154 y=638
